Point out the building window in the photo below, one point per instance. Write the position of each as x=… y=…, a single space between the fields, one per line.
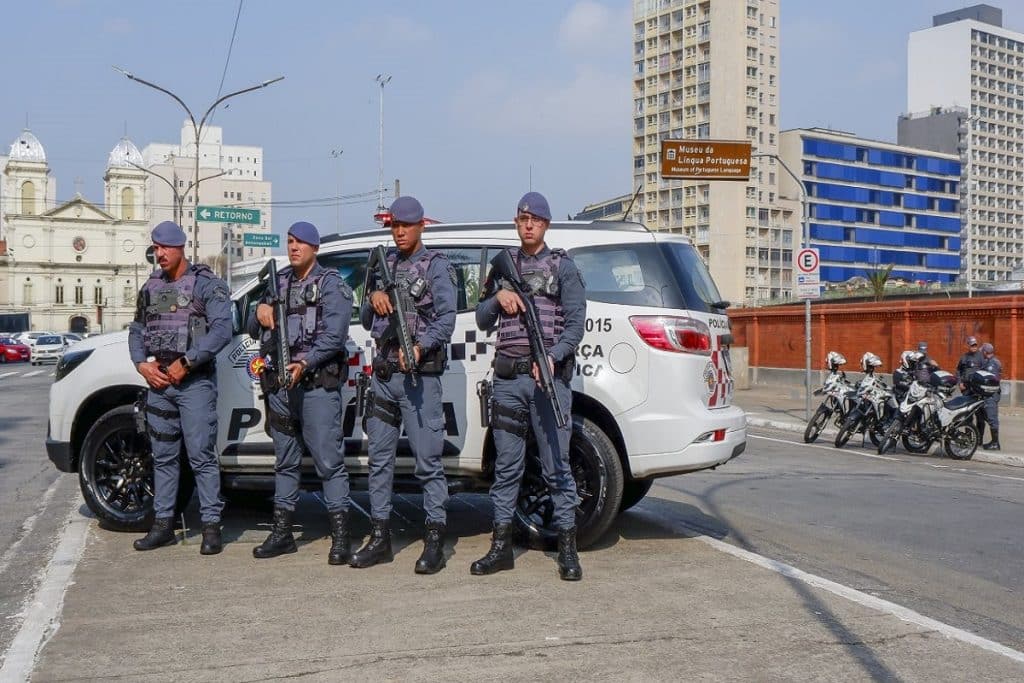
x=28 y=198
x=26 y=292
x=129 y=295
x=97 y=295
x=58 y=294
x=128 y=204
x=79 y=294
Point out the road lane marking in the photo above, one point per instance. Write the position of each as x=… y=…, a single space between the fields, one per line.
x=951 y=468
x=43 y=609
x=7 y=374
x=33 y=373
x=28 y=525
x=858 y=597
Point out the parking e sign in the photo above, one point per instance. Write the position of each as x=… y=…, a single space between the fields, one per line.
x=807 y=261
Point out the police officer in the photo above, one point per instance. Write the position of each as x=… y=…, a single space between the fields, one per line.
x=925 y=366
x=182 y=320
x=518 y=401
x=968 y=363
x=991 y=364
x=408 y=391
x=307 y=412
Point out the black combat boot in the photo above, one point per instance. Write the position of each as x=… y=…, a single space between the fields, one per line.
x=160 y=534
x=377 y=549
x=211 y=539
x=500 y=556
x=993 y=445
x=280 y=541
x=432 y=560
x=568 y=560
x=341 y=547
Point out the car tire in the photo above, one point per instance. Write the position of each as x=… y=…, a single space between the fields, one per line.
x=633 y=491
x=599 y=481
x=114 y=451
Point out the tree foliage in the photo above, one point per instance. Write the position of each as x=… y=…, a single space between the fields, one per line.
x=877 y=279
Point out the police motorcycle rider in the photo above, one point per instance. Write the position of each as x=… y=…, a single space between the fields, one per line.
x=408 y=390
x=182 y=320
x=924 y=366
x=904 y=374
x=993 y=365
x=969 y=362
x=306 y=414
x=518 y=403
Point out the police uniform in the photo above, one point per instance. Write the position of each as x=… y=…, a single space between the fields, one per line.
x=969 y=362
x=426 y=285
x=188 y=318
x=519 y=404
x=994 y=366
x=307 y=417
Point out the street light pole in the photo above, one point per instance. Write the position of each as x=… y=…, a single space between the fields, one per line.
x=382 y=80
x=807 y=302
x=197 y=129
x=966 y=205
x=179 y=198
x=336 y=153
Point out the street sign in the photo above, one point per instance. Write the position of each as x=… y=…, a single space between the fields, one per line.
x=705 y=159
x=224 y=214
x=807 y=262
x=808 y=290
x=260 y=239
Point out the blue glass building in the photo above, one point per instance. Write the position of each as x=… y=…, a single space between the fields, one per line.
x=874 y=203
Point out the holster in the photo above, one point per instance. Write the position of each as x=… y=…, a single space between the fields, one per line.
x=484 y=390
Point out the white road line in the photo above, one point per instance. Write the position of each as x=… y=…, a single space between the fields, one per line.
x=28 y=525
x=33 y=373
x=951 y=468
x=7 y=374
x=856 y=596
x=43 y=610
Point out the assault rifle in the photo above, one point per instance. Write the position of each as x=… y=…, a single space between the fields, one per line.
x=274 y=343
x=503 y=267
x=398 y=326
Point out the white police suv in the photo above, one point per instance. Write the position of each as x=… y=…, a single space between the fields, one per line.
x=652 y=387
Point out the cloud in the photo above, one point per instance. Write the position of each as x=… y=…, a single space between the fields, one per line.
x=592 y=103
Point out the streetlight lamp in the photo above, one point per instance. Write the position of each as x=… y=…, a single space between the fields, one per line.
x=807 y=302
x=382 y=80
x=197 y=129
x=179 y=198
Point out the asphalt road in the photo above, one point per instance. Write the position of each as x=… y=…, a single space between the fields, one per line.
x=659 y=600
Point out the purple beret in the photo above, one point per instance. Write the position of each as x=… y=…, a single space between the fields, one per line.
x=534 y=203
x=406 y=210
x=305 y=232
x=168 y=234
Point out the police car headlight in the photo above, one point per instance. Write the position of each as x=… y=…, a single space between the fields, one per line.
x=68 y=362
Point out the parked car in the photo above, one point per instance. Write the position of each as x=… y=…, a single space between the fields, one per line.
x=72 y=337
x=12 y=351
x=652 y=385
x=29 y=338
x=49 y=348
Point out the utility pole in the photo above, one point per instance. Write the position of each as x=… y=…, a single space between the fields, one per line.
x=382 y=80
x=197 y=129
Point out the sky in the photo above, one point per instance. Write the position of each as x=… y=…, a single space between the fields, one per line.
x=487 y=100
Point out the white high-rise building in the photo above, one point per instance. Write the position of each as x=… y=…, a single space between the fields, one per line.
x=240 y=184
x=709 y=69
x=966 y=59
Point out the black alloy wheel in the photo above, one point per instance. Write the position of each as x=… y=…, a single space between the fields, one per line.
x=116 y=473
x=633 y=491
x=816 y=423
x=961 y=440
x=595 y=466
x=850 y=425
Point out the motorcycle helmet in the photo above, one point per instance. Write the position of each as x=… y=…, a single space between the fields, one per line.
x=833 y=360
x=869 y=361
x=909 y=359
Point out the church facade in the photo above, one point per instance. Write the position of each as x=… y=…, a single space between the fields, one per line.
x=72 y=266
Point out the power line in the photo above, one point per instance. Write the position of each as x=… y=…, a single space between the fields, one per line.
x=227 y=60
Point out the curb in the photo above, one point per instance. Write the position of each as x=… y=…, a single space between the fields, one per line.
x=1007 y=459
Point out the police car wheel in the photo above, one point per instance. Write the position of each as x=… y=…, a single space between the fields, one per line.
x=633 y=492
x=116 y=473
x=598 y=473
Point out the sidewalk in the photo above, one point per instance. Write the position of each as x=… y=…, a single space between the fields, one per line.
x=783 y=408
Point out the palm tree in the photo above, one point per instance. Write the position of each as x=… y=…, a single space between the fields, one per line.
x=877 y=277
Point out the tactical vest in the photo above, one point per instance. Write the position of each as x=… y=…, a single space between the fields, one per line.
x=304 y=301
x=414 y=290
x=540 y=279
x=175 y=316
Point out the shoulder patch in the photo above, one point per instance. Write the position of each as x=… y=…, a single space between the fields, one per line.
x=221 y=293
x=452 y=274
x=346 y=291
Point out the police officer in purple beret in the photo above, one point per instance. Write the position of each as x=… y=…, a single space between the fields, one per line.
x=426 y=285
x=306 y=414
x=182 y=321
x=519 y=404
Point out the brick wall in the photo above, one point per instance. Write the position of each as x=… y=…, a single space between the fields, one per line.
x=774 y=336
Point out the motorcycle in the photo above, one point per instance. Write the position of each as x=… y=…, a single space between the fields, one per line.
x=871 y=411
x=839 y=394
x=927 y=414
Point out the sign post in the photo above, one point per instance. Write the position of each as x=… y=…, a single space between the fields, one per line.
x=705 y=159
x=808 y=278
x=226 y=214
x=260 y=239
